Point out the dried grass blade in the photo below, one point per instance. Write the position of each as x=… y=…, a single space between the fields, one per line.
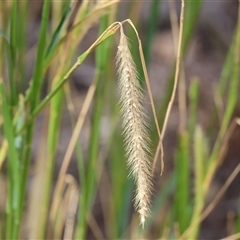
x=175 y=81
x=160 y=145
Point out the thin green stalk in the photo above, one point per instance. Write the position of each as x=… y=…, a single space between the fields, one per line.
x=55 y=113
x=233 y=91
x=192 y=10
x=53 y=136
x=13 y=48
x=226 y=70
x=199 y=169
x=9 y=214
x=22 y=36
x=232 y=97
x=93 y=151
x=81 y=15
x=160 y=200
x=98 y=104
x=1 y=41
x=223 y=82
x=53 y=92
x=237 y=227
x=79 y=155
x=123 y=218
x=181 y=203
x=82 y=178
x=94 y=139
x=53 y=139
x=38 y=70
x=57 y=33
x=122 y=190
x=34 y=97
x=13 y=219
x=193 y=105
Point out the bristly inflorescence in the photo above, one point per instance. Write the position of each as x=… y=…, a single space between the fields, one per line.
x=134 y=127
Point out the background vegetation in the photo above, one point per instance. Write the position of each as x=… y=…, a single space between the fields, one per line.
x=63 y=173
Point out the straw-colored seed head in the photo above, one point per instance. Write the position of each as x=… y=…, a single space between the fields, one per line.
x=134 y=126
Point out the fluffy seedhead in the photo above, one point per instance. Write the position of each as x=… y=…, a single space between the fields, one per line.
x=134 y=127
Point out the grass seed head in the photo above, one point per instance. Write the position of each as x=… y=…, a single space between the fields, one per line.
x=134 y=126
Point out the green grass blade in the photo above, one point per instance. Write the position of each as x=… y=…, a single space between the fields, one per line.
x=38 y=69
x=34 y=95
x=233 y=91
x=6 y=49
x=232 y=98
x=226 y=70
x=93 y=152
x=123 y=218
x=181 y=203
x=122 y=187
x=192 y=10
x=237 y=227
x=52 y=142
x=78 y=151
x=160 y=200
x=193 y=106
x=4 y=40
x=223 y=82
x=13 y=47
x=13 y=174
x=57 y=34
x=21 y=45
x=102 y=53
x=102 y=56
x=199 y=169
x=54 y=121
x=98 y=104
